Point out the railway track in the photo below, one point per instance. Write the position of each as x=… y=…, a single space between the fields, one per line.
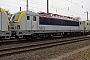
x=21 y=49
x=16 y=41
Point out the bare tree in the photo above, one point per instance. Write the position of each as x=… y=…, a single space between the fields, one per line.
x=77 y=18
x=8 y=13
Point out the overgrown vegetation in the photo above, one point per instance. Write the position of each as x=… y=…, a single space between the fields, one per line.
x=88 y=54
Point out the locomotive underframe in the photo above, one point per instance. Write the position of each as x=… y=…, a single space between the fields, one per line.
x=34 y=34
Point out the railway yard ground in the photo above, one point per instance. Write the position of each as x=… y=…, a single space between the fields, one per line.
x=78 y=54
x=82 y=55
x=44 y=50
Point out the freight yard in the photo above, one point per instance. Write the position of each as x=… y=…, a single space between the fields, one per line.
x=46 y=33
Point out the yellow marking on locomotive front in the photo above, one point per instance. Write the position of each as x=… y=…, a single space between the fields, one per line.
x=85 y=23
x=3 y=11
x=21 y=16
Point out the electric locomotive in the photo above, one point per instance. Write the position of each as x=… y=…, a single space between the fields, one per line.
x=28 y=24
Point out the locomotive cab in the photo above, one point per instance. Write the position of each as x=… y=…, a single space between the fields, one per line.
x=14 y=26
x=4 y=21
x=24 y=21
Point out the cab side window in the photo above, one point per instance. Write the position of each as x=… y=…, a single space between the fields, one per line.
x=28 y=17
x=34 y=18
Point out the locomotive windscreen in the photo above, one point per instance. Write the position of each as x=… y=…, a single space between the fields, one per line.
x=15 y=17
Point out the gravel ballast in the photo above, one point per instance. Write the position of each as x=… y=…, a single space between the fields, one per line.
x=70 y=53
x=83 y=55
x=48 y=53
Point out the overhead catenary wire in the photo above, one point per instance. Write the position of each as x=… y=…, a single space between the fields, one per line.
x=78 y=4
x=55 y=7
x=38 y=3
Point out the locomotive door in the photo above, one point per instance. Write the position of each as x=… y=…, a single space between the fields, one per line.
x=34 y=23
x=28 y=23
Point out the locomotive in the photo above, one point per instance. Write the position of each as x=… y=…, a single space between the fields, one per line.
x=32 y=25
x=4 y=22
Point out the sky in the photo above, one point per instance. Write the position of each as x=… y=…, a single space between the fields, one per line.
x=74 y=8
